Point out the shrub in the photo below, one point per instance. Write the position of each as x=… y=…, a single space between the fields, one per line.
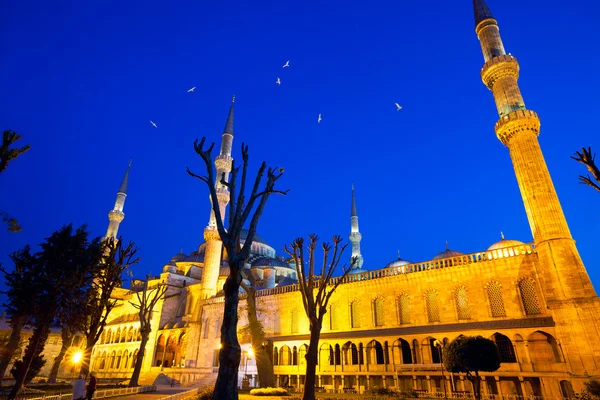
x=37 y=362
x=269 y=392
x=205 y=394
x=593 y=387
x=381 y=391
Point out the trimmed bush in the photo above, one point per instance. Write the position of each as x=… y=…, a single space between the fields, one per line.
x=381 y=391
x=269 y=392
x=593 y=387
x=205 y=394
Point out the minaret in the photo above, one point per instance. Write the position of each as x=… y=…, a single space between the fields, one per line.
x=214 y=246
x=116 y=215
x=562 y=271
x=355 y=235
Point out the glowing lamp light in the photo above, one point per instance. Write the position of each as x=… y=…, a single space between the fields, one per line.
x=250 y=352
x=77 y=357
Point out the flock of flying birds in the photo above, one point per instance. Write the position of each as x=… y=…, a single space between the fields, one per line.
x=278 y=82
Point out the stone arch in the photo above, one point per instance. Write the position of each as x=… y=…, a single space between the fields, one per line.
x=133 y=358
x=355 y=316
x=375 y=353
x=430 y=352
x=102 y=364
x=543 y=348
x=333 y=317
x=160 y=351
x=432 y=306
x=170 y=351
x=379 y=311
x=111 y=363
x=285 y=355
x=103 y=337
x=350 y=353
x=567 y=390
x=505 y=348
x=125 y=360
x=403 y=309
x=130 y=334
x=118 y=359
x=495 y=300
x=326 y=353
x=117 y=335
x=337 y=355
x=401 y=352
x=123 y=337
x=416 y=352
x=461 y=301
x=302 y=355
x=275 y=356
x=529 y=296
x=181 y=350
x=294 y=355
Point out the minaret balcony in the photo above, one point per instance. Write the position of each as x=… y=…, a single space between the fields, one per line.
x=116 y=215
x=499 y=67
x=516 y=122
x=223 y=163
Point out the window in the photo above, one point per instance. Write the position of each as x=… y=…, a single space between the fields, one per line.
x=505 y=348
x=462 y=303
x=529 y=296
x=206 y=328
x=355 y=314
x=403 y=314
x=431 y=301
x=218 y=328
x=333 y=323
x=494 y=292
x=378 y=312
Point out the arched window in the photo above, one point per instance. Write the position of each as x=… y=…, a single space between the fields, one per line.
x=125 y=360
x=404 y=351
x=337 y=355
x=355 y=314
x=276 y=322
x=111 y=364
x=117 y=336
x=378 y=311
x=103 y=337
x=435 y=352
x=361 y=353
x=415 y=351
x=102 y=361
x=433 y=310
x=285 y=356
x=350 y=354
x=275 y=356
x=494 y=292
x=206 y=328
x=160 y=351
x=375 y=353
x=294 y=356
x=294 y=321
x=123 y=335
x=218 y=324
x=462 y=303
x=529 y=296
x=333 y=320
x=130 y=334
x=403 y=313
x=133 y=359
x=505 y=348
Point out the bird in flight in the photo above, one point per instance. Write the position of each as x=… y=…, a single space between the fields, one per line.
x=192 y=89
x=319 y=119
x=287 y=64
x=399 y=107
x=153 y=124
x=278 y=81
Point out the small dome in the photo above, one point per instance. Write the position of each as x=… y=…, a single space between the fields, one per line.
x=262 y=262
x=199 y=258
x=447 y=253
x=398 y=262
x=504 y=243
x=178 y=257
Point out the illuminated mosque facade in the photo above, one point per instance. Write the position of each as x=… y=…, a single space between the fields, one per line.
x=535 y=300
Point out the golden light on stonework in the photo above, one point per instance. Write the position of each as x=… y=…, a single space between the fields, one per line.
x=77 y=357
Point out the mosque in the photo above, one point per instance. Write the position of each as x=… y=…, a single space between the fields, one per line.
x=387 y=326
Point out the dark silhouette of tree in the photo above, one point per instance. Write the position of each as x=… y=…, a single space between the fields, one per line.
x=471 y=354
x=7 y=155
x=239 y=212
x=256 y=334
x=315 y=301
x=593 y=387
x=65 y=259
x=115 y=259
x=35 y=367
x=20 y=300
x=588 y=159
x=147 y=296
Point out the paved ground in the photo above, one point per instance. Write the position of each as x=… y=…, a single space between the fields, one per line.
x=161 y=391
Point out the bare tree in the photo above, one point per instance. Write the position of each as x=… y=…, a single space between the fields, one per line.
x=147 y=297
x=316 y=291
x=7 y=155
x=588 y=159
x=255 y=328
x=115 y=260
x=239 y=212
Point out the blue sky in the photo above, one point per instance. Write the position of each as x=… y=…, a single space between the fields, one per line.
x=81 y=80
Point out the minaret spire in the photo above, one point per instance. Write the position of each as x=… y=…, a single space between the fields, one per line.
x=563 y=273
x=355 y=236
x=116 y=215
x=214 y=246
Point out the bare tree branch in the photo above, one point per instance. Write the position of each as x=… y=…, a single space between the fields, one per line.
x=587 y=158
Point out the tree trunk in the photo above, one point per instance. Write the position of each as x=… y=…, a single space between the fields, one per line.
x=311 y=361
x=477 y=386
x=66 y=336
x=264 y=366
x=17 y=324
x=34 y=348
x=87 y=353
x=138 y=361
x=226 y=387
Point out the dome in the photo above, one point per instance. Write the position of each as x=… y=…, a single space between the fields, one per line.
x=257 y=238
x=199 y=258
x=504 y=243
x=262 y=262
x=178 y=257
x=398 y=263
x=447 y=253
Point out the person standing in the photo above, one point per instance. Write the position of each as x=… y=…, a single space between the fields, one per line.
x=91 y=387
x=79 y=389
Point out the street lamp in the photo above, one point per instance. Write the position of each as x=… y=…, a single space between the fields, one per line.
x=76 y=359
x=440 y=347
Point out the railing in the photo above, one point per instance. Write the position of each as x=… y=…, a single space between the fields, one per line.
x=99 y=394
x=181 y=396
